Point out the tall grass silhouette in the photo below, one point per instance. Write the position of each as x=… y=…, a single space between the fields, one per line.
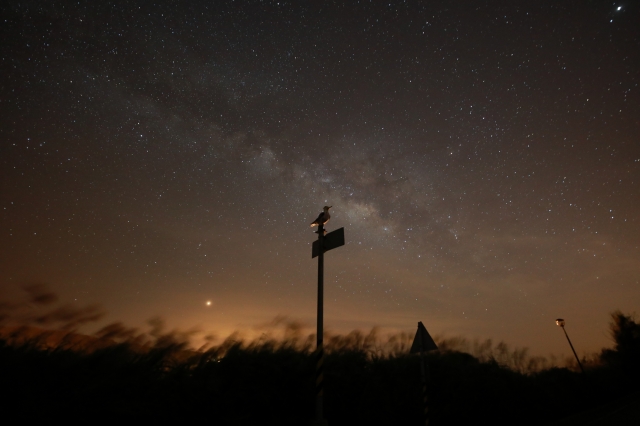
x=156 y=374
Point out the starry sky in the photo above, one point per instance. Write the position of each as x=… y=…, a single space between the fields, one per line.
x=482 y=156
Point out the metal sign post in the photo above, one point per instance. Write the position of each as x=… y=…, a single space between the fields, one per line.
x=320 y=332
x=422 y=343
x=326 y=242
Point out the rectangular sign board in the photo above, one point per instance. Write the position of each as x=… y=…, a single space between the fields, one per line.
x=330 y=241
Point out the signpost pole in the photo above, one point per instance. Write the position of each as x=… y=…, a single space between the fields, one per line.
x=423 y=343
x=319 y=333
x=423 y=371
x=325 y=242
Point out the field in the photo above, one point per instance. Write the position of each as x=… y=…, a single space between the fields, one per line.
x=368 y=380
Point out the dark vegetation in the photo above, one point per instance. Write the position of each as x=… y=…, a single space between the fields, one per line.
x=121 y=375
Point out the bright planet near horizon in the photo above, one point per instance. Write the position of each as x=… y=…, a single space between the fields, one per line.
x=482 y=157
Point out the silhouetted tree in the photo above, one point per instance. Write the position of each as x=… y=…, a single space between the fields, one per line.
x=625 y=357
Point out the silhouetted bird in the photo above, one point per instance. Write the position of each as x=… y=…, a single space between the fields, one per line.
x=322 y=217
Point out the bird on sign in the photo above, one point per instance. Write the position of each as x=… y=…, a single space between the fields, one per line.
x=322 y=217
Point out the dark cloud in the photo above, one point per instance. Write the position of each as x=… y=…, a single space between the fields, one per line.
x=40 y=294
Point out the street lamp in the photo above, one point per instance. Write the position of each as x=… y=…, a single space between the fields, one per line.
x=560 y=323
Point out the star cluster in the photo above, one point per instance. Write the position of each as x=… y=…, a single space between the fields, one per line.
x=483 y=158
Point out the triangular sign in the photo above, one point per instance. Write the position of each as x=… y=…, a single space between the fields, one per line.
x=423 y=341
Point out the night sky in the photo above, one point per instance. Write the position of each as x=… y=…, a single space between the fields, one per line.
x=482 y=156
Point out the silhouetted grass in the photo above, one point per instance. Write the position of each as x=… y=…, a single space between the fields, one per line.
x=122 y=374
x=272 y=381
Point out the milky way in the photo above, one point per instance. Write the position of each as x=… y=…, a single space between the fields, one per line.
x=483 y=157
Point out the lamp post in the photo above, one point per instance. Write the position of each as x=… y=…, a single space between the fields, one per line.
x=560 y=323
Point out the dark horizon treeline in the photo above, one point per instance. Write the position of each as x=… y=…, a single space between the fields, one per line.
x=267 y=381
x=122 y=373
